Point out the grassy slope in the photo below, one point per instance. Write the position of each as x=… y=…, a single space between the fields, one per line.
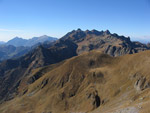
x=66 y=86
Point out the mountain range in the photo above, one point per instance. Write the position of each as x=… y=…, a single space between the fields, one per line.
x=112 y=44
x=17 y=46
x=84 y=71
x=29 y=42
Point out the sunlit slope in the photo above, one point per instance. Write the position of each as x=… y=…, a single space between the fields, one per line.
x=91 y=82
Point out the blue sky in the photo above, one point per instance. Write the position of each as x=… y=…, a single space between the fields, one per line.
x=28 y=18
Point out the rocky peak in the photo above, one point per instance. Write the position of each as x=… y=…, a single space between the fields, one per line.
x=17 y=37
x=112 y=44
x=79 y=30
x=107 y=32
x=95 y=32
x=44 y=36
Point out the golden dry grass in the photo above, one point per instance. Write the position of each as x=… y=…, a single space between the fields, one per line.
x=65 y=87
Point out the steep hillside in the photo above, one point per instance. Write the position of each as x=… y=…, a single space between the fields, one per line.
x=91 y=82
x=9 y=51
x=111 y=44
x=13 y=70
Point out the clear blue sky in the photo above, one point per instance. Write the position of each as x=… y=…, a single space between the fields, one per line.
x=28 y=18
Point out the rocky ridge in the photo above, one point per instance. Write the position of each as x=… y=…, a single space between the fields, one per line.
x=109 y=43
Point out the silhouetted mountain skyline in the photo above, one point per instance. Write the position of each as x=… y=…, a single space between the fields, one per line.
x=18 y=41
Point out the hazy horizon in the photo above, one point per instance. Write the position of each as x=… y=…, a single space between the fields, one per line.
x=144 y=39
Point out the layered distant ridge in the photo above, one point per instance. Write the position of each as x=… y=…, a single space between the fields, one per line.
x=112 y=44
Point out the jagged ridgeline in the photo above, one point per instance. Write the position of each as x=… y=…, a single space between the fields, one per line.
x=112 y=44
x=78 y=73
x=17 y=47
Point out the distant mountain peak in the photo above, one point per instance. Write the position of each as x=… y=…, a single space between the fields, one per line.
x=79 y=29
x=18 y=41
x=94 y=30
x=107 y=32
x=44 y=36
x=17 y=38
x=78 y=34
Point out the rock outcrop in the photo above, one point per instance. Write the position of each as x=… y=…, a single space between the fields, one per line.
x=141 y=82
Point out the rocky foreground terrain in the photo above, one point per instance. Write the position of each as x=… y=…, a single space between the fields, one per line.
x=83 y=72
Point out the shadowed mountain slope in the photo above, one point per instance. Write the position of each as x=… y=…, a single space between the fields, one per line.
x=18 y=47
x=111 y=44
x=13 y=70
x=9 y=51
x=91 y=82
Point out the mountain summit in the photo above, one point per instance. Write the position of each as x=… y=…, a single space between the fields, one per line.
x=17 y=41
x=30 y=42
x=109 y=43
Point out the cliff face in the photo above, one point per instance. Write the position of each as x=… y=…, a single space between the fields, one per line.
x=111 y=44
